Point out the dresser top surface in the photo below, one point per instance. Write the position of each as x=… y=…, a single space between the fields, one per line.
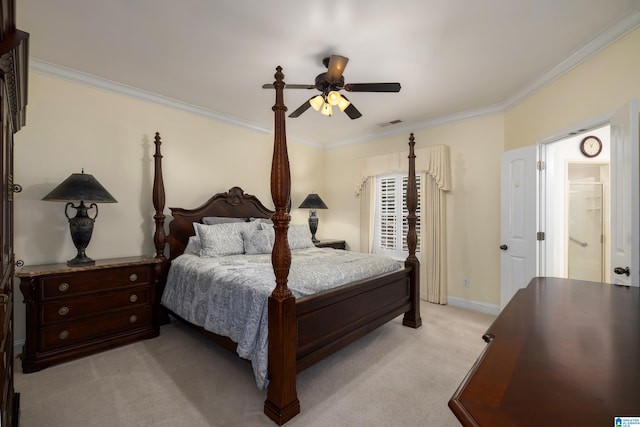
x=58 y=268
x=562 y=352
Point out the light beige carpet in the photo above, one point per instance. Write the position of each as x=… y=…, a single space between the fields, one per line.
x=395 y=376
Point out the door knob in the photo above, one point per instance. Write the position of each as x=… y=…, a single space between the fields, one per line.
x=504 y=247
x=620 y=270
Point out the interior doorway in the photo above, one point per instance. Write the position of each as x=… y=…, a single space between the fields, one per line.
x=576 y=207
x=534 y=202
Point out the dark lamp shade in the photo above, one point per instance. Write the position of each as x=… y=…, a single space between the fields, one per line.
x=80 y=187
x=313 y=201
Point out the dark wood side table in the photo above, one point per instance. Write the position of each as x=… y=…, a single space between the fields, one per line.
x=76 y=311
x=335 y=244
x=562 y=352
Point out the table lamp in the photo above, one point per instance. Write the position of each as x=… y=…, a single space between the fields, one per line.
x=313 y=202
x=80 y=187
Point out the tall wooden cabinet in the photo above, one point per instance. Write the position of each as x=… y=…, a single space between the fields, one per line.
x=14 y=45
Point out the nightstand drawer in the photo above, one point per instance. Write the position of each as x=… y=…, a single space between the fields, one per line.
x=92 y=281
x=65 y=310
x=65 y=334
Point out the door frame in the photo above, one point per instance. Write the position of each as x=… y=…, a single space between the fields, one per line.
x=599 y=121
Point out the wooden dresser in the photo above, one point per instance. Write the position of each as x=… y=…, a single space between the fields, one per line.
x=76 y=311
x=562 y=353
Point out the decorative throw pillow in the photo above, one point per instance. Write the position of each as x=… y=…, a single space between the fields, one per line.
x=258 y=241
x=222 y=239
x=213 y=220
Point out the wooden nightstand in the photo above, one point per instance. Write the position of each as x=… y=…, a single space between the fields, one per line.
x=76 y=311
x=335 y=244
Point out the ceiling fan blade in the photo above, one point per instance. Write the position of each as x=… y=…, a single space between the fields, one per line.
x=336 y=67
x=372 y=87
x=351 y=110
x=289 y=86
x=301 y=109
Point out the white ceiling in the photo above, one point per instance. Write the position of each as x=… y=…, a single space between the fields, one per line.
x=453 y=58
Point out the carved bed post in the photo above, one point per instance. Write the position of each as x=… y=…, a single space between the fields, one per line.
x=282 y=401
x=158 y=200
x=412 y=317
x=159 y=236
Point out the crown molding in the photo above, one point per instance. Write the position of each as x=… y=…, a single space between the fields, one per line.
x=74 y=76
x=64 y=73
x=439 y=121
x=625 y=25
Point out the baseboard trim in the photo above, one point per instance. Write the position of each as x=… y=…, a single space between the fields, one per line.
x=480 y=306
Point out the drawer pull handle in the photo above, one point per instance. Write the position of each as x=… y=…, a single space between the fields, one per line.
x=63 y=287
x=63 y=335
x=133 y=277
x=133 y=298
x=4 y=299
x=133 y=318
x=63 y=311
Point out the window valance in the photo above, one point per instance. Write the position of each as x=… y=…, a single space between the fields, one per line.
x=432 y=160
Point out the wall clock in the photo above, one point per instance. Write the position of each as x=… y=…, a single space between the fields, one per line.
x=591 y=146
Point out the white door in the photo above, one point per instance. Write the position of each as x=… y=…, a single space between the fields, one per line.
x=625 y=195
x=518 y=197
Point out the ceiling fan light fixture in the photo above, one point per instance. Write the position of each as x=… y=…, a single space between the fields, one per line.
x=333 y=97
x=317 y=102
x=327 y=109
x=343 y=104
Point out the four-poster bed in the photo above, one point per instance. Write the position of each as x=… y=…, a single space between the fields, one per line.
x=304 y=330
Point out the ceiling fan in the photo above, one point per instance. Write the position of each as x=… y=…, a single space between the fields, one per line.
x=330 y=84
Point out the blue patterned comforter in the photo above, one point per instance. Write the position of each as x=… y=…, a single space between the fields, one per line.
x=228 y=295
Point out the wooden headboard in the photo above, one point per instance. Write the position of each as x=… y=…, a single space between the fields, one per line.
x=235 y=203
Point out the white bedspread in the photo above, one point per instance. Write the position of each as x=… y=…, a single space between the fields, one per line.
x=228 y=295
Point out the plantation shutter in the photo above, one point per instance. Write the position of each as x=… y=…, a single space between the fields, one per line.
x=391 y=221
x=387 y=224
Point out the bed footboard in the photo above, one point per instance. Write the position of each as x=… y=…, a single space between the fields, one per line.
x=330 y=321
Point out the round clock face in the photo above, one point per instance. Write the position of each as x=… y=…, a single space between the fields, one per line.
x=591 y=146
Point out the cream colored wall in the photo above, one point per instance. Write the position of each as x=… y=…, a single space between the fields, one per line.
x=71 y=126
x=595 y=88
x=473 y=205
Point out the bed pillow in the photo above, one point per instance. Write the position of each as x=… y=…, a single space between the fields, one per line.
x=298 y=235
x=222 y=239
x=193 y=246
x=258 y=241
x=262 y=220
x=213 y=220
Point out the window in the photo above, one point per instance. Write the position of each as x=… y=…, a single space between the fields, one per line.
x=390 y=234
